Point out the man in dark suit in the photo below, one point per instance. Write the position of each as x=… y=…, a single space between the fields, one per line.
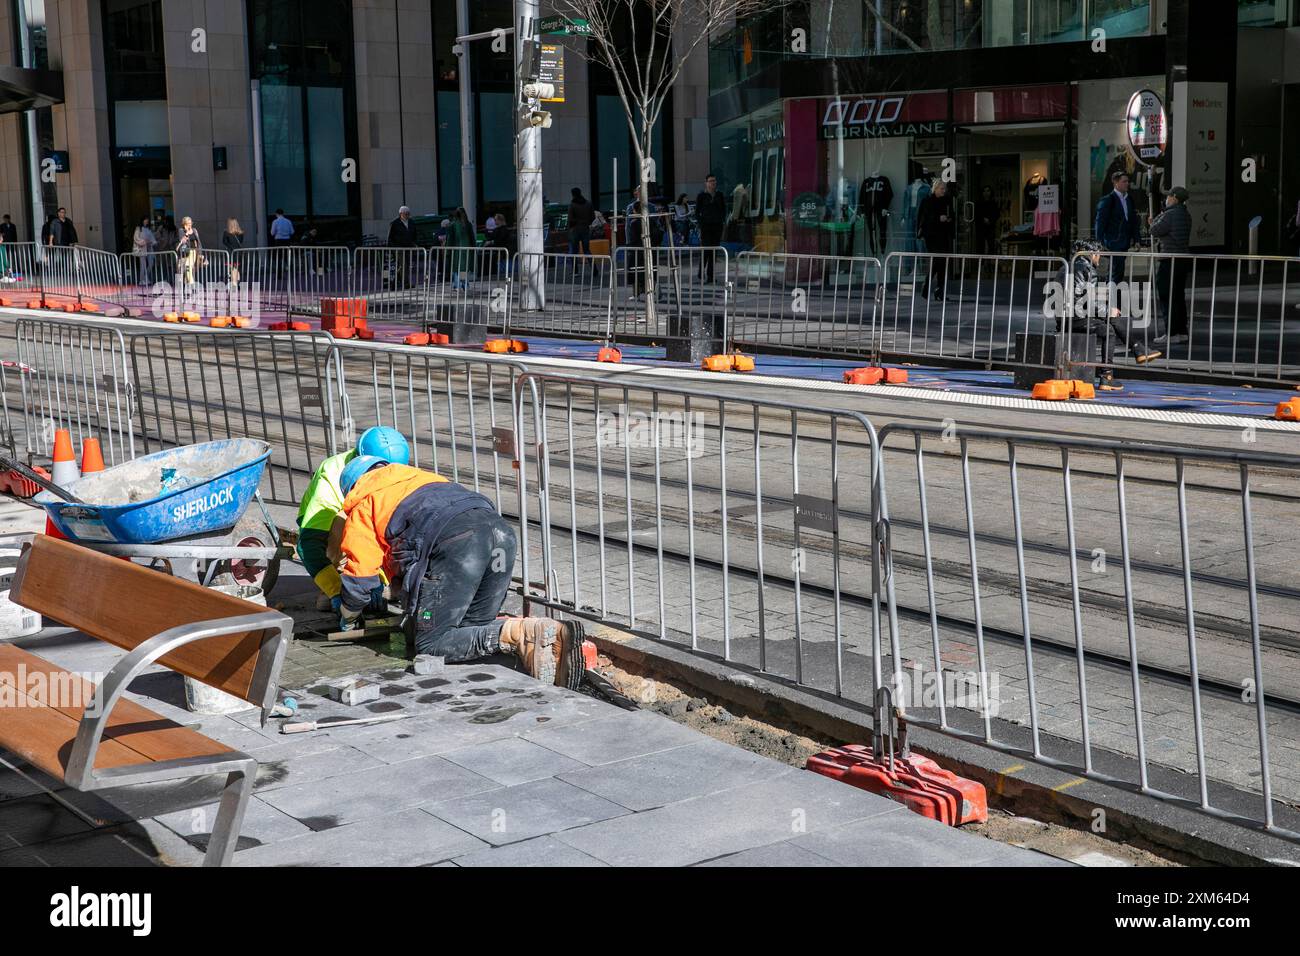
x=1116 y=225
x=401 y=233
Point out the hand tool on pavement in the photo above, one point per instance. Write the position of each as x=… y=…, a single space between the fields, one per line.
x=303 y=728
x=377 y=629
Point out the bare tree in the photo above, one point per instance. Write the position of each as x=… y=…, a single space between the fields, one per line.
x=645 y=44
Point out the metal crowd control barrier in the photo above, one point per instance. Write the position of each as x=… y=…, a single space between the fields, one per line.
x=1212 y=317
x=751 y=523
x=315 y=273
x=266 y=269
x=20 y=273
x=75 y=376
x=469 y=285
x=692 y=281
x=394 y=281
x=201 y=386
x=456 y=409
x=788 y=302
x=58 y=266
x=968 y=309
x=99 y=278
x=1076 y=580
x=569 y=295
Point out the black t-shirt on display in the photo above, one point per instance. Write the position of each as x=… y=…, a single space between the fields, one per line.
x=875 y=195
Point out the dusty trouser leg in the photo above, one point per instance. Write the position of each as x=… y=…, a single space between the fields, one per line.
x=464 y=586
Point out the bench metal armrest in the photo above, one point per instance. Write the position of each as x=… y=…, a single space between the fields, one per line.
x=81 y=762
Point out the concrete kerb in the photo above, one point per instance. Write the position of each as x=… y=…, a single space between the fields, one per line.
x=1021 y=786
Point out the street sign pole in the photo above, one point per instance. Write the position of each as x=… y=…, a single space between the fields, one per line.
x=468 y=174
x=528 y=161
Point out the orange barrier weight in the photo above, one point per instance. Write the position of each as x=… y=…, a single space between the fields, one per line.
x=241 y=321
x=1288 y=411
x=504 y=345
x=871 y=375
x=171 y=317
x=417 y=338
x=220 y=321
x=191 y=317
x=730 y=362
x=1082 y=390
x=917 y=782
x=365 y=334
x=89 y=307
x=1062 y=389
x=609 y=354
x=439 y=338
x=33 y=303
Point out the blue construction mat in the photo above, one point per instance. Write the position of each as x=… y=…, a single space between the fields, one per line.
x=1169 y=396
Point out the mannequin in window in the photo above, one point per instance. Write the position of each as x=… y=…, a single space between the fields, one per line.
x=874 y=198
x=915 y=194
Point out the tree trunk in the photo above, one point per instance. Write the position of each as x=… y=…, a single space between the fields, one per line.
x=647 y=240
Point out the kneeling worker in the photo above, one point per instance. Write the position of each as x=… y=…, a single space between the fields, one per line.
x=320 y=525
x=453 y=557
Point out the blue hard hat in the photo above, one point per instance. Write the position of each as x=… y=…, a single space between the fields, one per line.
x=386 y=443
x=354 y=469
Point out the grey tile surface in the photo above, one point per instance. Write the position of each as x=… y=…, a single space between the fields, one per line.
x=785 y=853
x=618 y=736
x=705 y=766
x=406 y=838
x=512 y=760
x=542 y=851
x=706 y=827
x=363 y=794
x=524 y=811
x=262 y=824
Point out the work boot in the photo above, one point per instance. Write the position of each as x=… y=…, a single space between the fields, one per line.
x=550 y=650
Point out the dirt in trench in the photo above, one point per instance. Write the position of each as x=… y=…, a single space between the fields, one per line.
x=695 y=710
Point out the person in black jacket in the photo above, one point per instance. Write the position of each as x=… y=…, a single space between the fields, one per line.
x=401 y=235
x=711 y=214
x=935 y=224
x=986 y=223
x=8 y=231
x=62 y=229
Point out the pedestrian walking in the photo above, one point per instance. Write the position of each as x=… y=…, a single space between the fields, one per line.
x=1172 y=230
x=143 y=242
x=8 y=236
x=711 y=216
x=986 y=223
x=63 y=231
x=460 y=239
x=935 y=225
x=232 y=240
x=47 y=231
x=189 y=250
x=1116 y=224
x=582 y=214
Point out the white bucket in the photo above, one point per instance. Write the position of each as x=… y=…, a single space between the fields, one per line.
x=199 y=697
x=15 y=620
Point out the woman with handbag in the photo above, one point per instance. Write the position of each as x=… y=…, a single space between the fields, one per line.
x=232 y=240
x=188 y=254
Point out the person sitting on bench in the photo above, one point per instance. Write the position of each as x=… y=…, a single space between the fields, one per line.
x=452 y=558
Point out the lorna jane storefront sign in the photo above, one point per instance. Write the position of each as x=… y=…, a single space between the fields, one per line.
x=889 y=114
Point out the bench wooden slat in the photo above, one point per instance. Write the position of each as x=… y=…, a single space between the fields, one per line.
x=151 y=735
x=121 y=603
x=43 y=737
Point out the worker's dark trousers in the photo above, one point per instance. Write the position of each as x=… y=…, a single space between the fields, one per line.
x=464 y=587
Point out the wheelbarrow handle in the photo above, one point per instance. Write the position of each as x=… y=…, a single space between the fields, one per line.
x=12 y=464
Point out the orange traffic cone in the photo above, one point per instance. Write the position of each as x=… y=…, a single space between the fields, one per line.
x=65 y=464
x=92 y=459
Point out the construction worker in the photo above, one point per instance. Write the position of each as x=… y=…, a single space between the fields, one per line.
x=450 y=557
x=320 y=526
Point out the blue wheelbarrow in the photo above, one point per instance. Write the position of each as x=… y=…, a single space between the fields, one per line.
x=186 y=508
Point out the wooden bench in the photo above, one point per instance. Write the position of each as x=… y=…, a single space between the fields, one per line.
x=89 y=736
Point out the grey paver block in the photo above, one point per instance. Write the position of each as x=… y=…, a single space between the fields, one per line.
x=903 y=839
x=277 y=768
x=739 y=819
x=618 y=736
x=36 y=819
x=524 y=811
x=369 y=793
x=405 y=838
x=653 y=780
x=262 y=824
x=540 y=851
x=784 y=853
x=111 y=847
x=512 y=760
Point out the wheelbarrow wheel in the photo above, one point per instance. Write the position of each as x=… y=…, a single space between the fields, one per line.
x=251 y=532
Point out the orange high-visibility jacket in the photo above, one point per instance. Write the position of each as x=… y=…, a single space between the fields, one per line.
x=394 y=515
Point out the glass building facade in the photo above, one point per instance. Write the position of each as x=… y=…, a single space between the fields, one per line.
x=828 y=118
